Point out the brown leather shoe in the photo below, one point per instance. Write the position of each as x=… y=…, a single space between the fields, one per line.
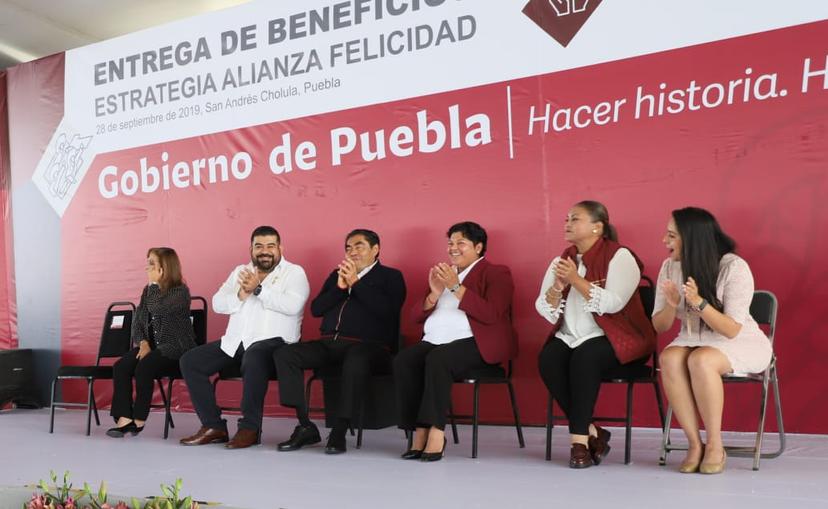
x=205 y=436
x=579 y=456
x=243 y=439
x=599 y=445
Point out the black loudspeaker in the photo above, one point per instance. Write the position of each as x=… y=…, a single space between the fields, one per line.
x=17 y=378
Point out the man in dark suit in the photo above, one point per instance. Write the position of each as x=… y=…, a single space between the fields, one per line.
x=360 y=306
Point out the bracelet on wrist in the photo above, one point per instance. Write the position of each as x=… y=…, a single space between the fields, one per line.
x=700 y=306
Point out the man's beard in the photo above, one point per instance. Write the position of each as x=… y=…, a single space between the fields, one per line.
x=264 y=262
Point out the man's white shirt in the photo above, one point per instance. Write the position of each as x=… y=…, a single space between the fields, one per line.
x=276 y=312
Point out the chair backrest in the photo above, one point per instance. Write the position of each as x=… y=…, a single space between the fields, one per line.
x=647 y=294
x=763 y=309
x=198 y=317
x=116 y=337
x=646 y=291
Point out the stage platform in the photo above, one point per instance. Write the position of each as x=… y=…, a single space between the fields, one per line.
x=503 y=476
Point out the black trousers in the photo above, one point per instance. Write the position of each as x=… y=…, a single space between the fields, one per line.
x=256 y=365
x=359 y=360
x=145 y=371
x=424 y=374
x=573 y=377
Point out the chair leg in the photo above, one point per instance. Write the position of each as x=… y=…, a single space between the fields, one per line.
x=52 y=408
x=453 y=423
x=779 y=424
x=162 y=392
x=308 y=392
x=549 y=425
x=516 y=414
x=763 y=406
x=359 y=425
x=169 y=392
x=475 y=418
x=628 y=423
x=659 y=402
x=89 y=407
x=95 y=407
x=168 y=422
x=665 y=437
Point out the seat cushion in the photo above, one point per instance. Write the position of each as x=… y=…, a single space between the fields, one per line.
x=491 y=372
x=173 y=372
x=630 y=372
x=104 y=372
x=328 y=371
x=233 y=372
x=230 y=371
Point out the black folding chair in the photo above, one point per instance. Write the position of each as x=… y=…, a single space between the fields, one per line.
x=488 y=375
x=116 y=340
x=232 y=373
x=629 y=374
x=198 y=317
x=763 y=309
x=331 y=374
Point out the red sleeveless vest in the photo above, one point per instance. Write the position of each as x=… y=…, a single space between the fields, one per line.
x=630 y=331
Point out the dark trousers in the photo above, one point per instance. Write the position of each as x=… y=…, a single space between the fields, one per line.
x=359 y=360
x=256 y=365
x=424 y=374
x=145 y=371
x=573 y=377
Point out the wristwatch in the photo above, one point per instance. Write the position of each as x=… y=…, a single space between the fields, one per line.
x=257 y=290
x=701 y=306
x=454 y=288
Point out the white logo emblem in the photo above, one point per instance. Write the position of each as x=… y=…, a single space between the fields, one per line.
x=566 y=7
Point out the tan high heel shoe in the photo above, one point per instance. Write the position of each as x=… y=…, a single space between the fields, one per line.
x=714 y=468
x=691 y=467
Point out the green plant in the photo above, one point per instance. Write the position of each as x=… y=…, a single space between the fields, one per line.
x=171 y=499
x=62 y=496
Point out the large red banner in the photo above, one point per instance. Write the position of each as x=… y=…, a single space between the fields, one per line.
x=737 y=126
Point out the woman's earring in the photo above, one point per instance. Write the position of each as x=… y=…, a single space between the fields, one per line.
x=595 y=230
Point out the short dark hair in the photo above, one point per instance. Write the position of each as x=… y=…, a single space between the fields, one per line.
x=371 y=236
x=263 y=231
x=472 y=231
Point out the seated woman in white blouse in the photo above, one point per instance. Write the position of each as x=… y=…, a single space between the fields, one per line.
x=709 y=289
x=589 y=296
x=467 y=324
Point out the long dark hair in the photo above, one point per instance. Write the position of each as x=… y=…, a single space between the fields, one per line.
x=703 y=243
x=599 y=214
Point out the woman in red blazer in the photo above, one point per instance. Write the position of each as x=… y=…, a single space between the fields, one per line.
x=467 y=317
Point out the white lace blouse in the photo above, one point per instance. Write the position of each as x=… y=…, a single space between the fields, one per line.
x=610 y=296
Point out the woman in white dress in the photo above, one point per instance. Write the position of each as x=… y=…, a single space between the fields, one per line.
x=708 y=288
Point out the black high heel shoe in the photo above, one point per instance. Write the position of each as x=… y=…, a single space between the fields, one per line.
x=434 y=456
x=412 y=454
x=123 y=430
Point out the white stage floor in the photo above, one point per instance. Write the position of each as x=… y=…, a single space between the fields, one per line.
x=503 y=476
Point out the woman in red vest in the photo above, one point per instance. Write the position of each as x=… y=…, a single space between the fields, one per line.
x=589 y=296
x=706 y=286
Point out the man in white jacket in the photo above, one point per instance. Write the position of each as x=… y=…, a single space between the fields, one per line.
x=265 y=300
